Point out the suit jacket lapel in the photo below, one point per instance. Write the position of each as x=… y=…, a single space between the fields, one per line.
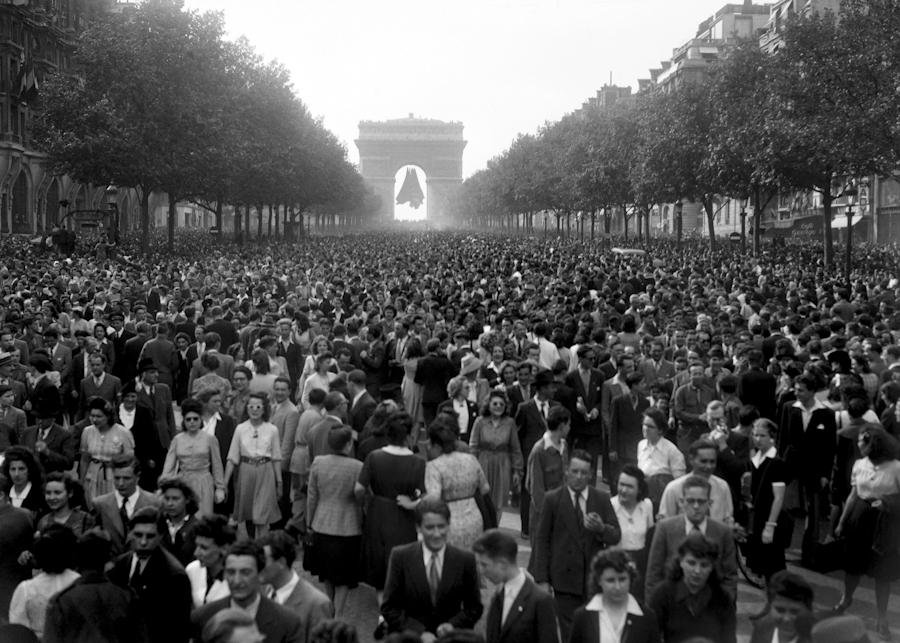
x=516 y=608
x=495 y=615
x=419 y=573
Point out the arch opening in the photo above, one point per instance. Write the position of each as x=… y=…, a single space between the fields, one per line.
x=410 y=194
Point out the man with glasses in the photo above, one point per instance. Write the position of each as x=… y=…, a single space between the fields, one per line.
x=703 y=456
x=670 y=532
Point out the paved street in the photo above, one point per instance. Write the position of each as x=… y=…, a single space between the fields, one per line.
x=362 y=607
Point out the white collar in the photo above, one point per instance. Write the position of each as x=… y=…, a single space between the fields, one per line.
x=689 y=526
x=817 y=404
x=596 y=605
x=759 y=457
x=131 y=499
x=19 y=496
x=357 y=396
x=427 y=554
x=548 y=442
x=252 y=608
x=395 y=450
x=281 y=595
x=514 y=585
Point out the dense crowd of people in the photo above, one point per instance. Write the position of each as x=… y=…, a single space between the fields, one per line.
x=188 y=437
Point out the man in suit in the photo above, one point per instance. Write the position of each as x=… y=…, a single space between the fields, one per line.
x=113 y=511
x=577 y=521
x=808 y=443
x=98 y=384
x=53 y=445
x=198 y=346
x=12 y=420
x=587 y=424
x=625 y=424
x=158 y=398
x=757 y=387
x=223 y=328
x=395 y=350
x=156 y=578
x=285 y=416
x=790 y=610
x=132 y=351
x=290 y=351
x=60 y=357
x=689 y=407
x=656 y=368
x=521 y=391
x=243 y=566
x=531 y=420
x=119 y=338
x=374 y=361
x=362 y=404
x=432 y=587
x=520 y=611
x=161 y=350
x=289 y=590
x=670 y=532
x=20 y=392
x=433 y=373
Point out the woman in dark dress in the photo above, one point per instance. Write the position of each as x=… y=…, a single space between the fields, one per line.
x=769 y=529
x=691 y=604
x=392 y=478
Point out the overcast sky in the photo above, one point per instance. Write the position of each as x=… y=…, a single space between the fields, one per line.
x=499 y=66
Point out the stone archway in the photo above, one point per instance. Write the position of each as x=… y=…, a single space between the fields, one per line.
x=434 y=146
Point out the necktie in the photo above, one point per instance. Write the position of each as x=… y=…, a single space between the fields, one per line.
x=123 y=514
x=434 y=577
x=135 y=580
x=501 y=596
x=544 y=409
x=586 y=380
x=695 y=529
x=579 y=514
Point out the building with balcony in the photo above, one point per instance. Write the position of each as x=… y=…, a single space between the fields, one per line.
x=782 y=11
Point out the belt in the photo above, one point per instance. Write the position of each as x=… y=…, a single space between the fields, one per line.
x=255 y=461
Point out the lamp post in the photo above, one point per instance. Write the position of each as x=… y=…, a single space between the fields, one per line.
x=112 y=195
x=850 y=192
x=679 y=206
x=743 y=226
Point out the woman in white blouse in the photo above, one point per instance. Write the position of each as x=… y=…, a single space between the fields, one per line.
x=635 y=513
x=657 y=457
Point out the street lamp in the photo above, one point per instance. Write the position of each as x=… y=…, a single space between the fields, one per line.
x=744 y=226
x=850 y=192
x=112 y=195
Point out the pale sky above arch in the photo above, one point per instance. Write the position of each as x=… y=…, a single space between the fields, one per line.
x=499 y=66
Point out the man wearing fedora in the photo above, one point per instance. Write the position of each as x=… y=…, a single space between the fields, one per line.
x=53 y=445
x=531 y=420
x=158 y=398
x=479 y=389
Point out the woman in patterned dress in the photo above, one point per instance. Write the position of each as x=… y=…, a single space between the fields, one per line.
x=256 y=454
x=100 y=442
x=495 y=442
x=194 y=456
x=455 y=478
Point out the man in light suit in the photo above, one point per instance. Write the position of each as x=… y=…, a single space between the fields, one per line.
x=670 y=532
x=98 y=384
x=289 y=590
x=243 y=565
x=531 y=421
x=112 y=511
x=577 y=521
x=285 y=416
x=61 y=358
x=362 y=404
x=432 y=587
x=158 y=398
x=520 y=611
x=656 y=368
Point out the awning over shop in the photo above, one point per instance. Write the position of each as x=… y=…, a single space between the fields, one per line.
x=839 y=221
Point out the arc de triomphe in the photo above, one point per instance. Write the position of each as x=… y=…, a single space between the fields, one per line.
x=433 y=145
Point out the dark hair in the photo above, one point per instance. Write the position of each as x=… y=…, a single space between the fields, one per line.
x=339 y=437
x=614 y=558
x=748 y=415
x=500 y=395
x=25 y=456
x=431 y=506
x=333 y=631
x=496 y=544
x=282 y=380
x=442 y=433
x=282 y=546
x=658 y=418
x=243 y=370
x=769 y=425
x=190 y=497
x=72 y=487
x=728 y=384
x=790 y=586
x=333 y=400
x=632 y=470
x=93 y=550
x=97 y=403
x=260 y=359
x=210 y=361
x=54 y=550
x=145 y=516
x=581 y=454
x=195 y=405
x=557 y=416
x=882 y=445
x=398 y=427
x=5 y=484
x=700 y=547
x=216 y=528
x=700 y=445
x=699 y=482
x=317 y=396
x=249 y=548
x=262 y=397
x=123 y=461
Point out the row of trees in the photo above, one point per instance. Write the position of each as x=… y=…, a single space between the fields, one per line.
x=164 y=103
x=823 y=108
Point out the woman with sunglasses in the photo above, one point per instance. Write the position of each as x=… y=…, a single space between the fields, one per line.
x=869 y=523
x=194 y=457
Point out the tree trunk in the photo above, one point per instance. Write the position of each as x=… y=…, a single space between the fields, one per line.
x=259 y=223
x=269 y=230
x=827 y=199
x=593 y=224
x=647 y=226
x=219 y=216
x=237 y=225
x=170 y=222
x=145 y=221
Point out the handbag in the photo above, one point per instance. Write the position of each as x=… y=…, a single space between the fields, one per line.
x=309 y=552
x=488 y=510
